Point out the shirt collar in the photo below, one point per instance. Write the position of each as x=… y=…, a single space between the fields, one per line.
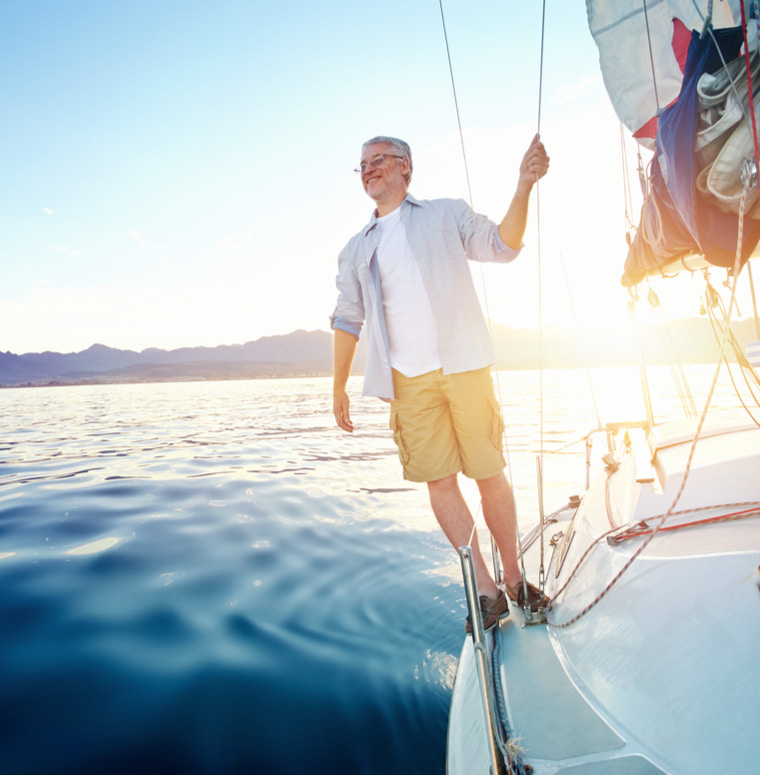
x=373 y=220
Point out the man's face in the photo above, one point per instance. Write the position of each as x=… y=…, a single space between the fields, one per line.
x=382 y=173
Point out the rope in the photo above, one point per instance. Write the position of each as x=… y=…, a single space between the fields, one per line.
x=651 y=61
x=751 y=378
x=541 y=580
x=650 y=202
x=754 y=511
x=656 y=529
x=472 y=213
x=513 y=753
x=722 y=357
x=482 y=271
x=708 y=30
x=754 y=300
x=676 y=367
x=749 y=86
x=456 y=106
x=612 y=535
x=628 y=223
x=757 y=151
x=584 y=355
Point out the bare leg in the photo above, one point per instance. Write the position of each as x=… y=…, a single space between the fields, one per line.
x=454 y=517
x=500 y=516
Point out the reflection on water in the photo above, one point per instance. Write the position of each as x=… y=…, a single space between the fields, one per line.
x=212 y=578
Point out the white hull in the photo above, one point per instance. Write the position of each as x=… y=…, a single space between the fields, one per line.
x=660 y=675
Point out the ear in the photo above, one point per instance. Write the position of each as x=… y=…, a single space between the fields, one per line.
x=404 y=167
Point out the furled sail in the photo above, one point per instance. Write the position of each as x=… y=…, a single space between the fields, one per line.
x=685 y=95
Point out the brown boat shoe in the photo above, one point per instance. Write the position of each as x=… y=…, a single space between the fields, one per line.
x=492 y=609
x=534 y=599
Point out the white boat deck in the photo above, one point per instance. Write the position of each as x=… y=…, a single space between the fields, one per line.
x=558 y=730
x=660 y=676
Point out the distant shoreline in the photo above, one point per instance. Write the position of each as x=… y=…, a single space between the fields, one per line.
x=309 y=354
x=94 y=382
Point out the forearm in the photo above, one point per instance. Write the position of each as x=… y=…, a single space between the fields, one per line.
x=344 y=350
x=534 y=165
x=512 y=226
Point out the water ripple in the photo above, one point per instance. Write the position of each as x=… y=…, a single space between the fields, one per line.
x=191 y=584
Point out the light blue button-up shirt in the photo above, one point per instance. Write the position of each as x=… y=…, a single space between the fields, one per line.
x=443 y=234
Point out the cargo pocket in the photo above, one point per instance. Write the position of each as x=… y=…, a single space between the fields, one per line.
x=403 y=453
x=497 y=424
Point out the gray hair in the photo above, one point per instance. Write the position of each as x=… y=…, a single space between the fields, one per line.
x=400 y=146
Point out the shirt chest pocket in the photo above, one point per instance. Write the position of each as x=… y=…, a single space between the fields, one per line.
x=441 y=242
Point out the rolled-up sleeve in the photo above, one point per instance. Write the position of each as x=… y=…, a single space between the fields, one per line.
x=341 y=324
x=442 y=234
x=480 y=236
x=349 y=311
x=502 y=248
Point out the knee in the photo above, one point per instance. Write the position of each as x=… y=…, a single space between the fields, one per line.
x=445 y=485
x=494 y=487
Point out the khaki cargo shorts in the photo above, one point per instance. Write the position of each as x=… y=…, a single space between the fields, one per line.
x=446 y=423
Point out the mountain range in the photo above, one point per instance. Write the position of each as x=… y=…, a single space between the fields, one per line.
x=309 y=353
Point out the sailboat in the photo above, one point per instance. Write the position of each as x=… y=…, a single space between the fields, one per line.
x=645 y=660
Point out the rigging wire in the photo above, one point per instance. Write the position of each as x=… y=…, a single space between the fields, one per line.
x=584 y=355
x=725 y=339
x=749 y=87
x=541 y=68
x=676 y=366
x=726 y=334
x=485 y=294
x=456 y=106
x=541 y=580
x=627 y=198
x=708 y=30
x=757 y=150
x=651 y=61
x=754 y=299
x=469 y=188
x=751 y=378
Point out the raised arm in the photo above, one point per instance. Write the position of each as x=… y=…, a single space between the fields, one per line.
x=534 y=165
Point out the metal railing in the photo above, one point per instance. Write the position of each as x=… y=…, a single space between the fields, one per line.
x=482 y=662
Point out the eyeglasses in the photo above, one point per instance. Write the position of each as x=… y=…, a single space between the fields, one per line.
x=375 y=162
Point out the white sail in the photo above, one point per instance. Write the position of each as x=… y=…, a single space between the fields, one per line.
x=642 y=49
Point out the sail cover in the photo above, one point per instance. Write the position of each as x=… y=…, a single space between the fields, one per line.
x=658 y=69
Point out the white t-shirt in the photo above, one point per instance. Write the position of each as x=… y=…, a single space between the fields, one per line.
x=408 y=314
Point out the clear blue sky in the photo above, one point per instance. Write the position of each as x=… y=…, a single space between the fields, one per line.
x=180 y=173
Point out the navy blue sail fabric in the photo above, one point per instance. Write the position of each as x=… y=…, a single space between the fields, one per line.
x=676 y=219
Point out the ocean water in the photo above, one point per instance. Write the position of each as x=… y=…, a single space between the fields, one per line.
x=212 y=578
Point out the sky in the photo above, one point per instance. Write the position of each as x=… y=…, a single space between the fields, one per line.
x=180 y=173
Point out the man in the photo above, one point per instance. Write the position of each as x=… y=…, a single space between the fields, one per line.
x=429 y=352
